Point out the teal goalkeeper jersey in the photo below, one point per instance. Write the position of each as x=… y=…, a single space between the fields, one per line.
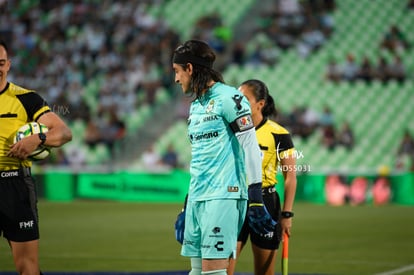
x=217 y=167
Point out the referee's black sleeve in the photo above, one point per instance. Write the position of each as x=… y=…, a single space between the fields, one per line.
x=33 y=102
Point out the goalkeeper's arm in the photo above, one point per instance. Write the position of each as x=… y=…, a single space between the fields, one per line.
x=258 y=217
x=252 y=155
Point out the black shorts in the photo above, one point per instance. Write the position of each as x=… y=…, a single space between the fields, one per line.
x=272 y=240
x=18 y=206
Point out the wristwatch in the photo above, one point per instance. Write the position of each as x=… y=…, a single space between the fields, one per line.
x=287 y=214
x=42 y=138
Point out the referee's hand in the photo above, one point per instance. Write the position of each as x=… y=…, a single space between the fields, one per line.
x=23 y=148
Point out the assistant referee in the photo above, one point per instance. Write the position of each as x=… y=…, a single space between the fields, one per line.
x=18 y=199
x=278 y=154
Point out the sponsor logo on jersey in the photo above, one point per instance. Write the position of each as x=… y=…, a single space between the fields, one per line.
x=201 y=136
x=244 y=111
x=216 y=230
x=219 y=245
x=8 y=174
x=210 y=118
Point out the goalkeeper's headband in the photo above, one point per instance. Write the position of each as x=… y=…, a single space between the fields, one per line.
x=184 y=58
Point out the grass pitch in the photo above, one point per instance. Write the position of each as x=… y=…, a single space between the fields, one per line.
x=135 y=237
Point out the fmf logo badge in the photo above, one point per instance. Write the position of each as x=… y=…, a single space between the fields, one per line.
x=26 y=224
x=245 y=123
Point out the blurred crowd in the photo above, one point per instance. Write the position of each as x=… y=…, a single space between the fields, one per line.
x=98 y=61
x=394 y=42
x=93 y=60
x=303 y=25
x=304 y=121
x=405 y=152
x=210 y=28
x=153 y=161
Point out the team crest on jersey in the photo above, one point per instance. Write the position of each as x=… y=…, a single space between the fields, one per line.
x=210 y=106
x=245 y=122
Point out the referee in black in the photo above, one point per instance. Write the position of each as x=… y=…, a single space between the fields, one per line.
x=18 y=200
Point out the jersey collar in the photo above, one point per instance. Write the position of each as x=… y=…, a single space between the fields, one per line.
x=5 y=88
x=261 y=123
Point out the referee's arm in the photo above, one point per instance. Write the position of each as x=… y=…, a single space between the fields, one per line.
x=58 y=132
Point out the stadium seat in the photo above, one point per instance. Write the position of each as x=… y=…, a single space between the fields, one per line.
x=78 y=128
x=371 y=109
x=162 y=96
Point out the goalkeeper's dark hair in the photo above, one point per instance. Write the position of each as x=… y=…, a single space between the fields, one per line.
x=261 y=92
x=202 y=57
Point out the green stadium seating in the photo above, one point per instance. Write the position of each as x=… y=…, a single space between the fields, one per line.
x=378 y=113
x=138 y=118
x=175 y=13
x=78 y=128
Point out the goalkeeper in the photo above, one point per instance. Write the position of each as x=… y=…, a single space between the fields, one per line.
x=224 y=149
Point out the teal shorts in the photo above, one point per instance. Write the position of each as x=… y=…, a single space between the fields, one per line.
x=212 y=228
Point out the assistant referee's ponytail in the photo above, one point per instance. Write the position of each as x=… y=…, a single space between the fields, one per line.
x=261 y=92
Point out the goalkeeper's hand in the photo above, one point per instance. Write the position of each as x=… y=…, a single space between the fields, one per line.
x=258 y=217
x=179 y=227
x=180 y=223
